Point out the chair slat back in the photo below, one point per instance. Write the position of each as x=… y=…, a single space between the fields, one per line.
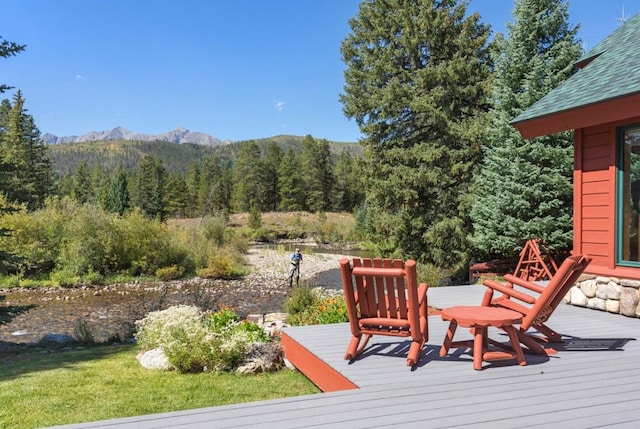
x=566 y=276
x=380 y=288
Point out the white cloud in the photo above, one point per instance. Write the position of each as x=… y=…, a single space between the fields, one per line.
x=79 y=77
x=279 y=105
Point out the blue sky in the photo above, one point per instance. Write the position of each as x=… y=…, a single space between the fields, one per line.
x=242 y=69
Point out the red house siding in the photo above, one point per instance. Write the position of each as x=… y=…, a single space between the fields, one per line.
x=595 y=198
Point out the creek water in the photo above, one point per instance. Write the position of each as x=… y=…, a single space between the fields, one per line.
x=26 y=315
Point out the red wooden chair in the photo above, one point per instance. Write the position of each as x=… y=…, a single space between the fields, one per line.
x=536 y=303
x=383 y=298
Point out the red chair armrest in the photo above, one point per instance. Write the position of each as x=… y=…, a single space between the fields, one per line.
x=505 y=290
x=524 y=283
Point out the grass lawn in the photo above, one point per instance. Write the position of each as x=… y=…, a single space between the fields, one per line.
x=45 y=387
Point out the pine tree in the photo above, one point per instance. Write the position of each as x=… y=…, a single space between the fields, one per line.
x=317 y=168
x=117 y=199
x=416 y=85
x=193 y=185
x=292 y=194
x=349 y=183
x=271 y=180
x=151 y=179
x=26 y=174
x=100 y=182
x=176 y=196
x=82 y=190
x=214 y=191
x=247 y=177
x=523 y=189
x=8 y=49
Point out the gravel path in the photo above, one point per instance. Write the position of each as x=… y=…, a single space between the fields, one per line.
x=108 y=312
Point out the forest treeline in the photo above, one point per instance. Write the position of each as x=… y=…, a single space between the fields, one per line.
x=168 y=180
x=442 y=176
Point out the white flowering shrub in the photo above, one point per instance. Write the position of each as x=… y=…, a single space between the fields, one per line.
x=194 y=341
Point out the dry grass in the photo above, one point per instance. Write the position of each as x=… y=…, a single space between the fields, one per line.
x=283 y=223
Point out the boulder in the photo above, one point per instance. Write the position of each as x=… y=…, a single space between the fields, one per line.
x=578 y=297
x=589 y=288
x=613 y=306
x=629 y=301
x=596 y=304
x=154 y=359
x=613 y=290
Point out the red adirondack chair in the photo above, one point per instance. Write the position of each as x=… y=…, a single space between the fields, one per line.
x=383 y=298
x=536 y=303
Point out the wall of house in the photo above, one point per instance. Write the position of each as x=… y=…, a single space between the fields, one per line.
x=604 y=286
x=594 y=199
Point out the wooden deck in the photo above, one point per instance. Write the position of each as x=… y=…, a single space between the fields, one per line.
x=593 y=382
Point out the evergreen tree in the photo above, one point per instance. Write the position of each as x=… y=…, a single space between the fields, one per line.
x=271 y=183
x=81 y=190
x=255 y=217
x=292 y=194
x=117 y=199
x=349 y=186
x=64 y=186
x=417 y=86
x=193 y=185
x=317 y=167
x=26 y=174
x=523 y=189
x=8 y=49
x=247 y=177
x=214 y=195
x=151 y=179
x=100 y=183
x=176 y=196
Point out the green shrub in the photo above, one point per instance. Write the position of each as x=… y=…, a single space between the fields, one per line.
x=27 y=283
x=82 y=243
x=432 y=275
x=332 y=310
x=64 y=278
x=172 y=272
x=215 y=230
x=255 y=217
x=301 y=299
x=255 y=334
x=219 y=266
x=82 y=332
x=194 y=342
x=10 y=281
x=222 y=319
x=308 y=306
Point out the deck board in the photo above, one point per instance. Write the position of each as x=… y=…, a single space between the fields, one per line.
x=575 y=388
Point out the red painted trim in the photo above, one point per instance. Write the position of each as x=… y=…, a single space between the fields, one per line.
x=611 y=253
x=617 y=109
x=619 y=272
x=315 y=369
x=577 y=191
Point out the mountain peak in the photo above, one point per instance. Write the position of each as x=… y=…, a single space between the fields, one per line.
x=179 y=135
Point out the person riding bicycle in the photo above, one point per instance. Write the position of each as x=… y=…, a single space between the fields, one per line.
x=294 y=270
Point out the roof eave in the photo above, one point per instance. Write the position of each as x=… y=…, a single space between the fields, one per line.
x=612 y=110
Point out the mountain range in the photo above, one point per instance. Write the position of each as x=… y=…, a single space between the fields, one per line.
x=179 y=135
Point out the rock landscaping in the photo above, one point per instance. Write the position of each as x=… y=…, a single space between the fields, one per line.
x=611 y=294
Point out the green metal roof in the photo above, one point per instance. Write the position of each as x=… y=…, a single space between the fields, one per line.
x=614 y=71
